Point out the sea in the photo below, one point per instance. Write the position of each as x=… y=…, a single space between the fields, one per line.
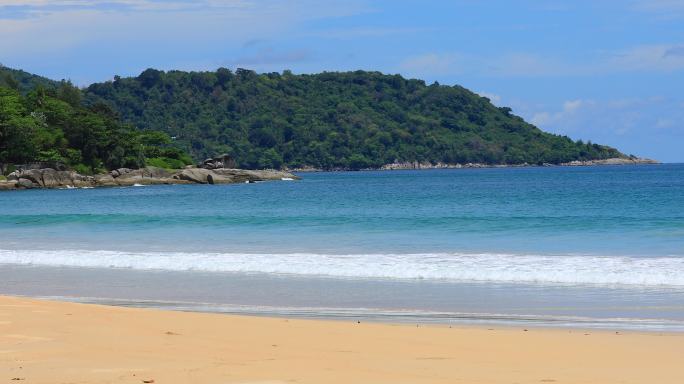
x=580 y=247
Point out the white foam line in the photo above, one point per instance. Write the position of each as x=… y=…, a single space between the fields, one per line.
x=568 y=269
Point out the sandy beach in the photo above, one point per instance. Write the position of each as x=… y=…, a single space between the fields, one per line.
x=57 y=342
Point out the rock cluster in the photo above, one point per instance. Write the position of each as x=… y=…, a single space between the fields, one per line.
x=223 y=161
x=48 y=178
x=51 y=178
x=614 y=161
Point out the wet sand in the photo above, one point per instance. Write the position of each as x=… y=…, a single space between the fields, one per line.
x=58 y=342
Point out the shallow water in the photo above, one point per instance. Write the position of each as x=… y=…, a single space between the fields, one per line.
x=560 y=245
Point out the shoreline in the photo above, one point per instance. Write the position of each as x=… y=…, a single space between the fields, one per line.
x=559 y=306
x=395 y=317
x=49 y=341
x=48 y=178
x=405 y=166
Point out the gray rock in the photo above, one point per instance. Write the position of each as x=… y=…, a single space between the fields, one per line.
x=57 y=179
x=35 y=175
x=612 y=161
x=105 y=180
x=25 y=183
x=120 y=172
x=242 y=175
x=51 y=178
x=195 y=175
x=147 y=172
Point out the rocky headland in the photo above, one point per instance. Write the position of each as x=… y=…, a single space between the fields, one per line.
x=51 y=178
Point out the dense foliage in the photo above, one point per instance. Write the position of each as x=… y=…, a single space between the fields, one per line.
x=52 y=126
x=331 y=120
x=23 y=81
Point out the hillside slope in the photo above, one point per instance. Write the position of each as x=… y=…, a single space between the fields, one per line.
x=331 y=120
x=23 y=81
x=50 y=126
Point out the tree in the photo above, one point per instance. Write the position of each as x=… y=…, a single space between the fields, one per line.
x=150 y=77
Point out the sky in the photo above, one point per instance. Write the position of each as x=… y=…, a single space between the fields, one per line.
x=609 y=71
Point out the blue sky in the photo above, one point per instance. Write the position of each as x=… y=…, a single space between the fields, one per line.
x=609 y=71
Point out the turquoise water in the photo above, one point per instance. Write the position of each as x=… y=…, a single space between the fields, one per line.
x=600 y=229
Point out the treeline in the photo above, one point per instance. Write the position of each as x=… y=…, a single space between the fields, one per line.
x=24 y=81
x=51 y=125
x=331 y=120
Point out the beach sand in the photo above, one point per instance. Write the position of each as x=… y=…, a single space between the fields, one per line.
x=57 y=342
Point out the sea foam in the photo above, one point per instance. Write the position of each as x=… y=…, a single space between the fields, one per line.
x=509 y=268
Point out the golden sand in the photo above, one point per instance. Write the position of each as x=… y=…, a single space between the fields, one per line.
x=56 y=342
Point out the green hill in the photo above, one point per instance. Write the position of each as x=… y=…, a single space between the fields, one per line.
x=52 y=126
x=23 y=81
x=332 y=120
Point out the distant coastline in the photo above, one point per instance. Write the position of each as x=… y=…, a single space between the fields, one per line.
x=398 y=166
x=50 y=178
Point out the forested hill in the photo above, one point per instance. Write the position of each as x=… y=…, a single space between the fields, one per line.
x=331 y=120
x=24 y=81
x=51 y=126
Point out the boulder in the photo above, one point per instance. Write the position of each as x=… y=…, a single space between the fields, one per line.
x=105 y=180
x=81 y=181
x=35 y=175
x=243 y=175
x=120 y=171
x=147 y=172
x=205 y=176
x=56 y=179
x=25 y=183
x=50 y=178
x=195 y=175
x=145 y=176
x=215 y=178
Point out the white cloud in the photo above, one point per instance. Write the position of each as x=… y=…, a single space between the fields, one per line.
x=658 y=5
x=268 y=56
x=665 y=123
x=644 y=58
x=42 y=7
x=585 y=118
x=431 y=63
x=659 y=10
x=356 y=32
x=494 y=98
x=55 y=27
x=527 y=64
x=569 y=108
x=663 y=57
x=649 y=126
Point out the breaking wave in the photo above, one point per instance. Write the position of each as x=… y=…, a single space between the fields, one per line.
x=508 y=268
